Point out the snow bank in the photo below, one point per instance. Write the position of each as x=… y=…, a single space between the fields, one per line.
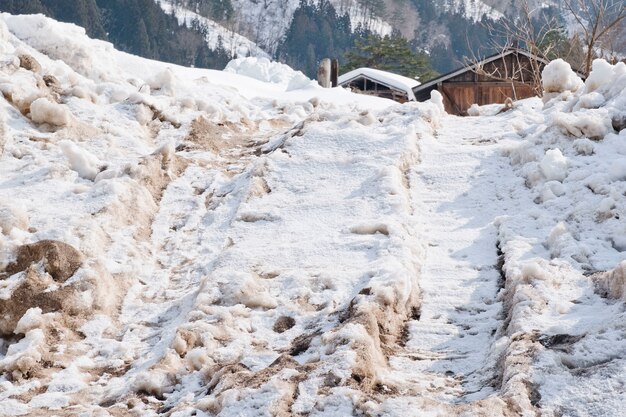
x=263 y=69
x=592 y=112
x=564 y=253
x=141 y=170
x=65 y=42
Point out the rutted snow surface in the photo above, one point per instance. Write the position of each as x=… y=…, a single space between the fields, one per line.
x=193 y=242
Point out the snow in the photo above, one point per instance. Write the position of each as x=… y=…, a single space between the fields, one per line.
x=554 y=165
x=253 y=244
x=388 y=78
x=236 y=44
x=43 y=110
x=474 y=10
x=260 y=26
x=83 y=162
x=558 y=77
x=263 y=69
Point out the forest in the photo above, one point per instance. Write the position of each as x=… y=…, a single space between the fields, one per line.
x=139 y=27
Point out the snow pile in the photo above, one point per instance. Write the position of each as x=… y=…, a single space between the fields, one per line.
x=558 y=77
x=263 y=69
x=592 y=111
x=64 y=42
x=563 y=257
x=43 y=110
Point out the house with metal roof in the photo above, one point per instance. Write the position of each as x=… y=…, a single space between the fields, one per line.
x=379 y=83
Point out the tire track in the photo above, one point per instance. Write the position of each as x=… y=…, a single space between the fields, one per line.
x=450 y=355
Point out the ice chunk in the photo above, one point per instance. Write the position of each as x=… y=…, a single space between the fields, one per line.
x=558 y=77
x=554 y=165
x=32 y=319
x=82 y=161
x=43 y=110
x=601 y=74
x=12 y=217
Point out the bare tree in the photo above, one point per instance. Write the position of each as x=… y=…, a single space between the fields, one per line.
x=533 y=31
x=599 y=22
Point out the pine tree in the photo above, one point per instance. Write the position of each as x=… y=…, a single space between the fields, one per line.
x=84 y=13
x=391 y=53
x=23 y=7
x=316 y=32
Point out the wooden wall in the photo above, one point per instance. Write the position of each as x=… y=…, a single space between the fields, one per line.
x=458 y=97
x=493 y=82
x=508 y=77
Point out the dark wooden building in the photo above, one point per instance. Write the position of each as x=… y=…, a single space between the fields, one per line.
x=379 y=83
x=513 y=73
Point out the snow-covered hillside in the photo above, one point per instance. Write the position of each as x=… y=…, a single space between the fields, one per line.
x=265 y=23
x=235 y=43
x=189 y=242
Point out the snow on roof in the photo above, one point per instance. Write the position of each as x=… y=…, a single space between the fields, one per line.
x=391 y=80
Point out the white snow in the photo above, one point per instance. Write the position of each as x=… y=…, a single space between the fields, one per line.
x=263 y=69
x=43 y=110
x=558 y=77
x=233 y=42
x=390 y=79
x=82 y=161
x=554 y=165
x=251 y=244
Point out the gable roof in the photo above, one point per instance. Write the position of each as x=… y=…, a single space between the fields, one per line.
x=388 y=79
x=474 y=66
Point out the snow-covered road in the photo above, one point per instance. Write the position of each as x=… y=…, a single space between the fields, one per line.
x=186 y=242
x=459 y=193
x=462 y=183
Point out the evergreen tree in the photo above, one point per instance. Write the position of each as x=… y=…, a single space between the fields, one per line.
x=23 y=7
x=391 y=53
x=84 y=13
x=316 y=32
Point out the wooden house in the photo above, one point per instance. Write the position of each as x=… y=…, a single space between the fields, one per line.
x=379 y=83
x=513 y=73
